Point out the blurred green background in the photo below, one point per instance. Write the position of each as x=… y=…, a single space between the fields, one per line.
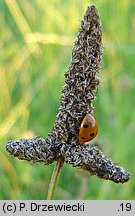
x=36 y=43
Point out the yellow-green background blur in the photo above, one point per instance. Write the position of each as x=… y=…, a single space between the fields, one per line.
x=36 y=42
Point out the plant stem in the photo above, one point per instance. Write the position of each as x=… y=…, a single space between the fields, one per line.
x=54 y=178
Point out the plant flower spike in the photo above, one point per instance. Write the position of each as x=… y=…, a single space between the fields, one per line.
x=67 y=142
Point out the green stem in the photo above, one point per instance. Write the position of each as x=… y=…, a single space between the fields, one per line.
x=54 y=178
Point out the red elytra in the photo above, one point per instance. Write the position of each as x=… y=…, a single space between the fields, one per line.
x=88 y=129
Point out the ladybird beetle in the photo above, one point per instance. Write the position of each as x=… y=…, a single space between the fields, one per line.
x=88 y=129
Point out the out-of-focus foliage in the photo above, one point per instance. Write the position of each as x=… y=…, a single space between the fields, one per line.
x=36 y=42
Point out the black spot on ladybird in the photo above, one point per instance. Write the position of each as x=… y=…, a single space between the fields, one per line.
x=92 y=134
x=83 y=137
x=85 y=126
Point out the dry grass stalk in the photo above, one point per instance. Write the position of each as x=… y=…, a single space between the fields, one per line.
x=81 y=81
